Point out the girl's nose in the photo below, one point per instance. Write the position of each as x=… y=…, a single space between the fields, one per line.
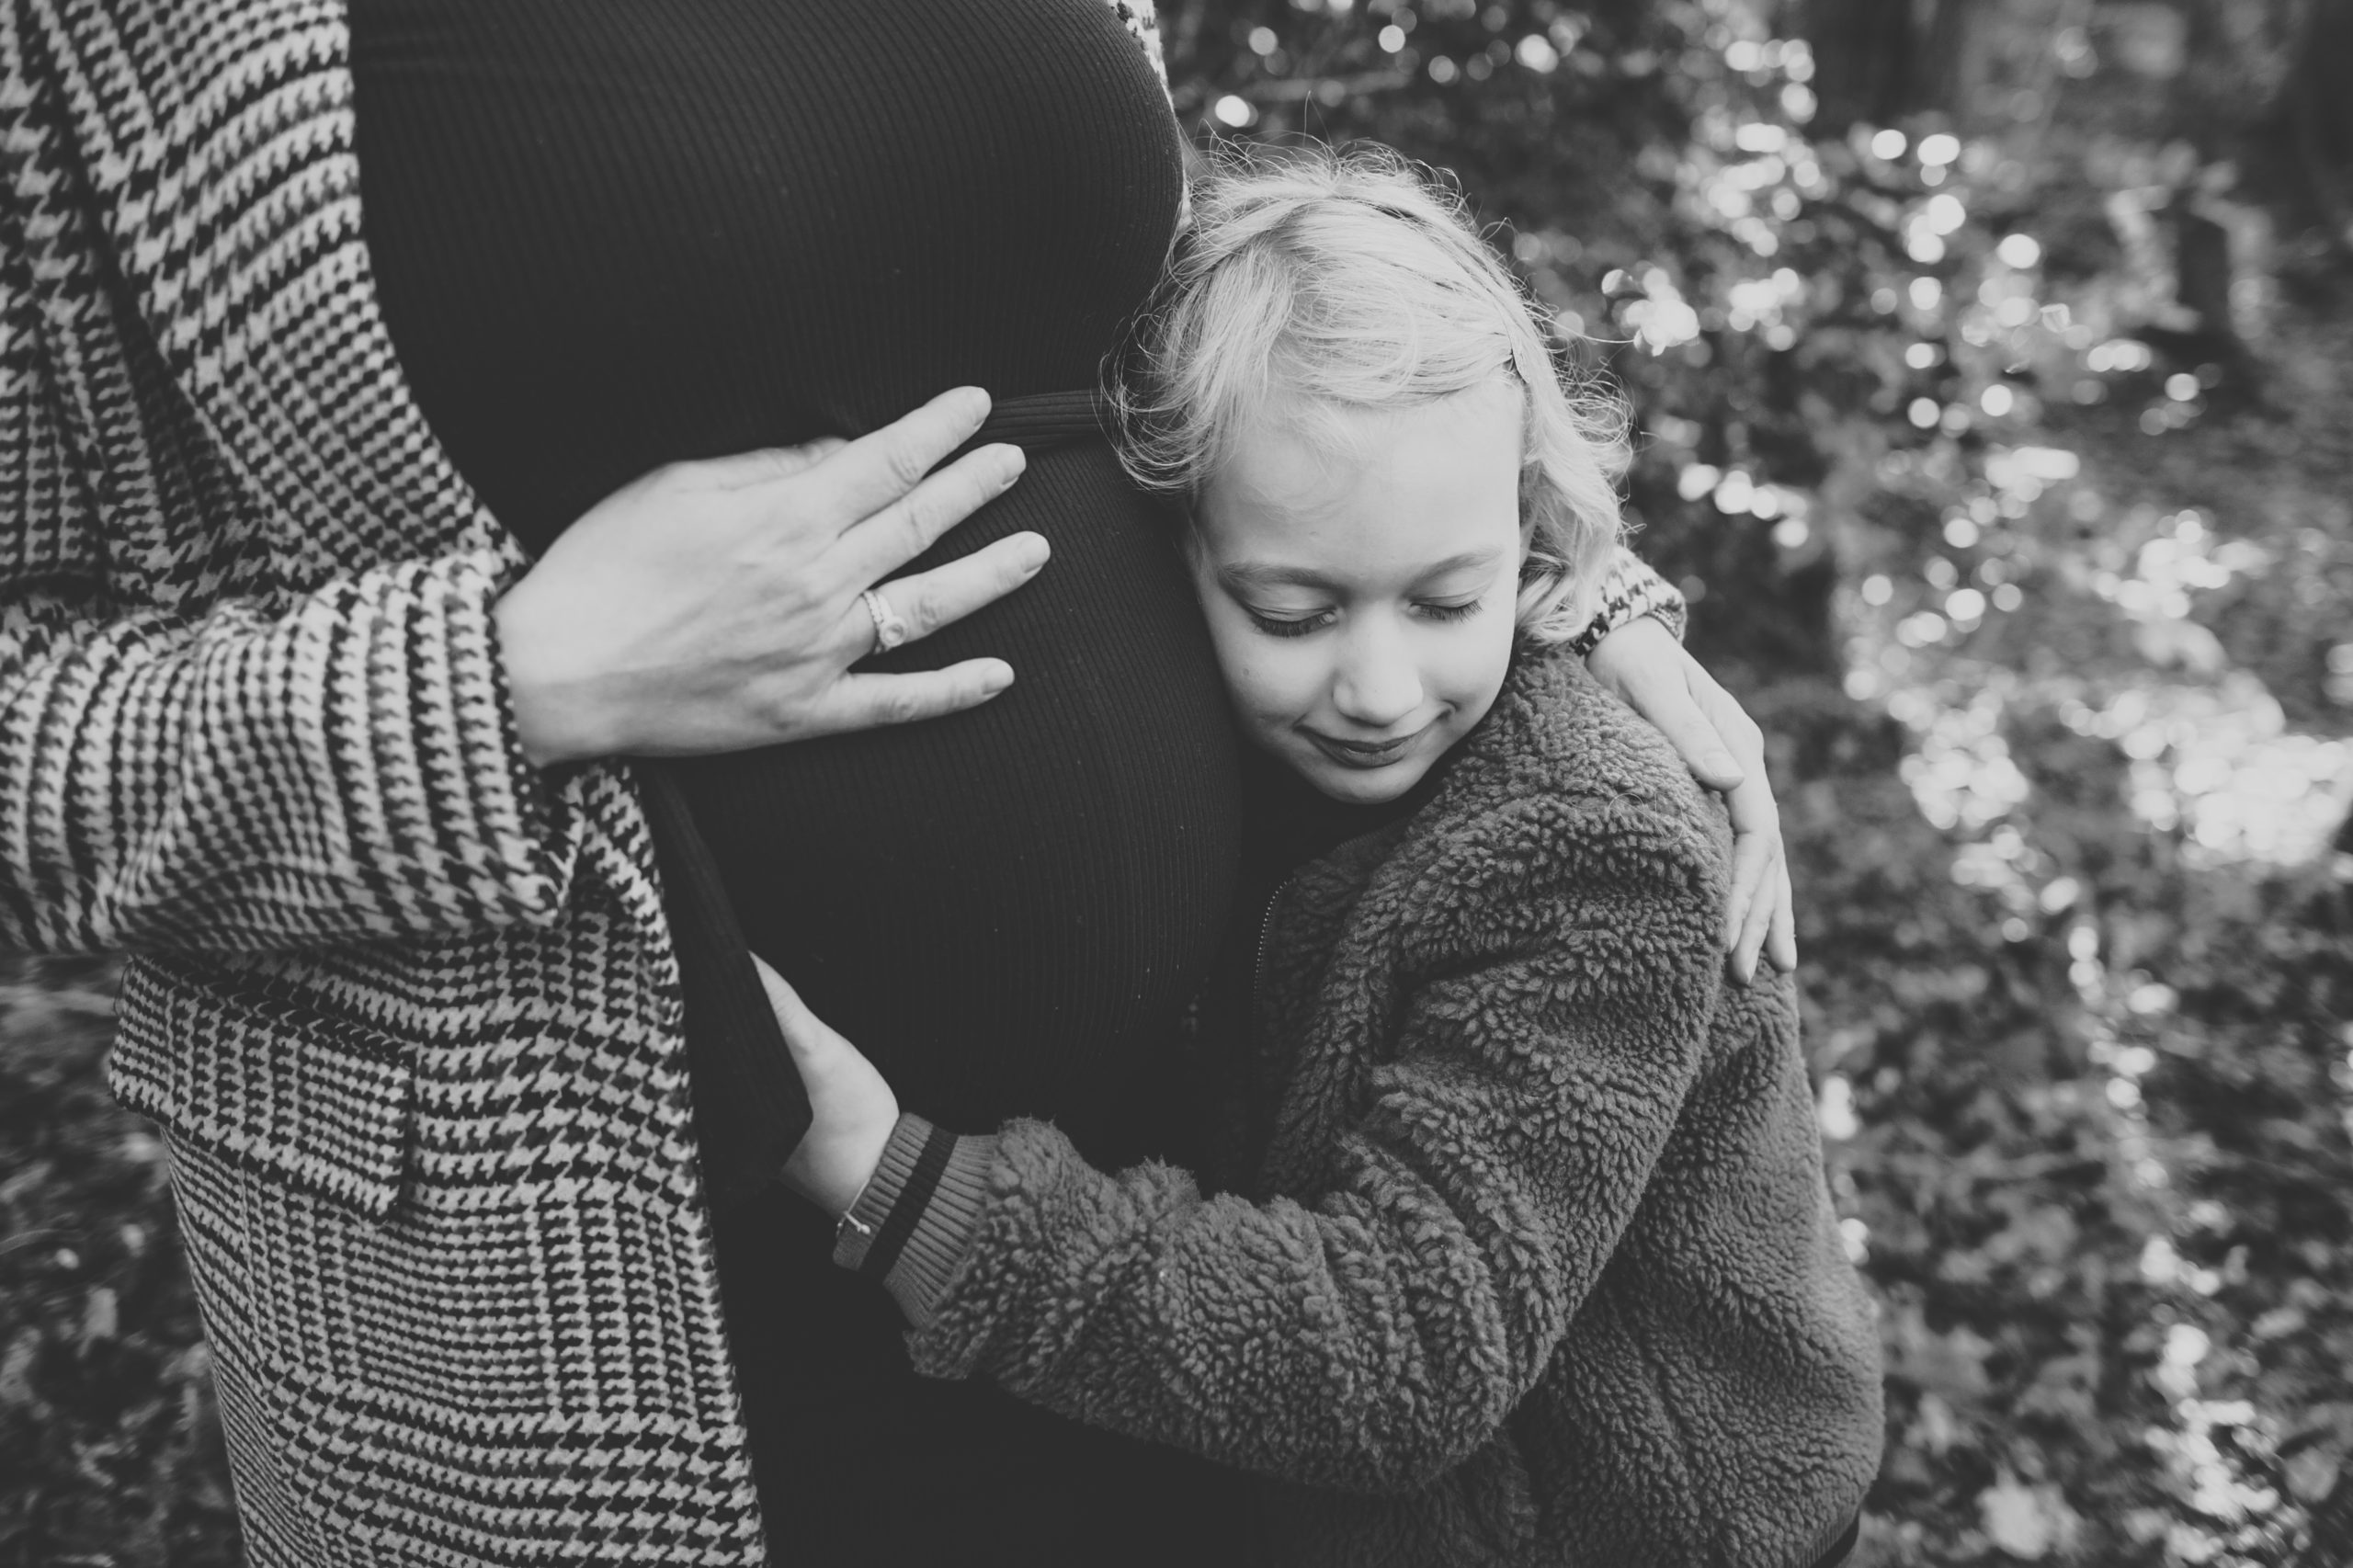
x=1377 y=685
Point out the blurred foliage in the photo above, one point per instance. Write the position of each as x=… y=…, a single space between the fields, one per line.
x=1996 y=373
x=109 y=1441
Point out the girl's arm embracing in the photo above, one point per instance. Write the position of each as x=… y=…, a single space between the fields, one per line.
x=1568 y=969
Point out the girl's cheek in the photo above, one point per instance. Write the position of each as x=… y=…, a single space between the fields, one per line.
x=1285 y=676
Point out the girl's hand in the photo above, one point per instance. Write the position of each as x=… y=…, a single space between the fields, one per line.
x=852 y=1110
x=1648 y=670
x=714 y=607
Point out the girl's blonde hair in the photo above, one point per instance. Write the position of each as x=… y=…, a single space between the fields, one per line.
x=1314 y=284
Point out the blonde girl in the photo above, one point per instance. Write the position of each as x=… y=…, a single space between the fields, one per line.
x=1516 y=1247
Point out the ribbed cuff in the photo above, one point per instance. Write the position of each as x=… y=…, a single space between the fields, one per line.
x=916 y=1219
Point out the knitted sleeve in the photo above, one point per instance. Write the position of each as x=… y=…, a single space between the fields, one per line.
x=1375 y=1338
x=343 y=767
x=1142 y=18
x=1631 y=592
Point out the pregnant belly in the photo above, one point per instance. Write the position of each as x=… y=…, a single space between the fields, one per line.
x=1009 y=909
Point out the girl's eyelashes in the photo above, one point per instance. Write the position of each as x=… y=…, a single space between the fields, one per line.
x=1300 y=626
x=1277 y=626
x=1453 y=612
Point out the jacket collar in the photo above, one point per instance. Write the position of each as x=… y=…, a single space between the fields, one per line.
x=218 y=139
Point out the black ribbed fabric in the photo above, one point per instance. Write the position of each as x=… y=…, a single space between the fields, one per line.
x=609 y=234
x=614 y=229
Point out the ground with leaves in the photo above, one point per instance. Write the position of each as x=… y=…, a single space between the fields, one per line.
x=1998 y=420
x=107 y=1435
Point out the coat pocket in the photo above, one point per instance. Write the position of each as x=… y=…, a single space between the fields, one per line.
x=390 y=1485
x=265 y=1080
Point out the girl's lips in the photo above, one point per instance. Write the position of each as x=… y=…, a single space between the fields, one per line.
x=1359 y=753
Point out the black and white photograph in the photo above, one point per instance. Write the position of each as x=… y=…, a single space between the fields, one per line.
x=1236 y=784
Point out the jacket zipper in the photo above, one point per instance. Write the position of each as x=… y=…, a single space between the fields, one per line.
x=1266 y=930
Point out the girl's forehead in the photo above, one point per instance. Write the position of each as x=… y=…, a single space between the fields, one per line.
x=1443 y=478
x=1302 y=461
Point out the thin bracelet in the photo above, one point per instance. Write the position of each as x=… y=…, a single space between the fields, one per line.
x=849 y=1215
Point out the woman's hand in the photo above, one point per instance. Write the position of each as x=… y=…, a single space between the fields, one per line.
x=1649 y=671
x=713 y=606
x=852 y=1110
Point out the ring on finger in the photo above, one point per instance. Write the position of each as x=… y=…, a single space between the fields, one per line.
x=889 y=628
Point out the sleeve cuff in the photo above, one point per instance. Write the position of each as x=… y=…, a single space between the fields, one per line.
x=915 y=1220
x=1631 y=591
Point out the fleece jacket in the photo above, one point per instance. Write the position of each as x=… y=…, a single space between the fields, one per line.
x=1526 y=1256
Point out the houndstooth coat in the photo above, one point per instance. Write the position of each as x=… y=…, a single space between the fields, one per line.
x=406 y=1009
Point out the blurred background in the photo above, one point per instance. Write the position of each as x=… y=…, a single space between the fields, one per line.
x=1994 y=360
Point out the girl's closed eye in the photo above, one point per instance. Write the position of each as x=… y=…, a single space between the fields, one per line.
x=1300 y=625
x=1461 y=611
x=1289 y=625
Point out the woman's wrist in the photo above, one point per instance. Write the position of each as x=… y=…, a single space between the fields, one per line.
x=556 y=720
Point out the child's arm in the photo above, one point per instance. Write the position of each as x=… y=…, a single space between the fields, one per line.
x=1374 y=1340
x=1633 y=648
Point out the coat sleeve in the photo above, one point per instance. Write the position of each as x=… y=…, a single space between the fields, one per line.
x=344 y=766
x=1374 y=1339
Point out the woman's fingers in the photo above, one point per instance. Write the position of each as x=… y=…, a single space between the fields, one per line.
x=712 y=607
x=869 y=473
x=865 y=701
x=768 y=464
x=929 y=600
x=903 y=529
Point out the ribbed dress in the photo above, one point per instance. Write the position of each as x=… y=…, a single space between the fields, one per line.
x=609 y=234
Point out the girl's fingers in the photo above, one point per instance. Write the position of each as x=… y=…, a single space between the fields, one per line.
x=1762 y=916
x=1751 y=862
x=1742 y=743
x=1781 y=940
x=803 y=1034
x=780 y=993
x=1755 y=926
x=1658 y=680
